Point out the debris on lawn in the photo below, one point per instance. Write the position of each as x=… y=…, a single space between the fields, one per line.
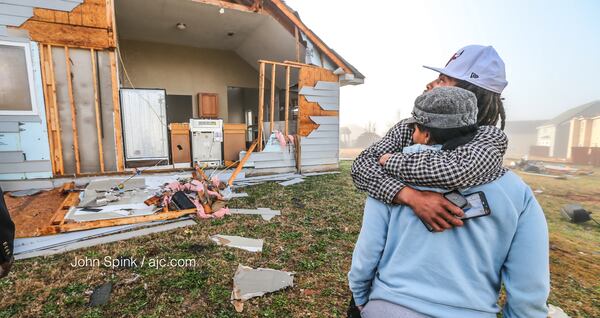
x=64 y=242
x=556 y=312
x=542 y=169
x=249 y=282
x=266 y=213
x=291 y=182
x=248 y=244
x=25 y=193
x=575 y=213
x=101 y=295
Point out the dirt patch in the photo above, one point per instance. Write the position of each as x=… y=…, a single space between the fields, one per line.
x=33 y=212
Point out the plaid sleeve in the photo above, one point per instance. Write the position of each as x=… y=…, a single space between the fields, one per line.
x=368 y=175
x=477 y=162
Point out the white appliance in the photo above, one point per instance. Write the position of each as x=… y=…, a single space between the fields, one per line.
x=207 y=141
x=144 y=116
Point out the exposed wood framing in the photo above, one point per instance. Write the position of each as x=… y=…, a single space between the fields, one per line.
x=261 y=103
x=90 y=25
x=111 y=22
x=71 y=200
x=315 y=39
x=297 y=37
x=53 y=117
x=97 y=109
x=287 y=98
x=116 y=112
x=242 y=163
x=309 y=76
x=64 y=34
x=272 y=111
x=286 y=63
x=228 y=5
x=45 y=75
x=73 y=111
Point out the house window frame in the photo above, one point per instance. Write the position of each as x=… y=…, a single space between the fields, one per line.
x=29 y=64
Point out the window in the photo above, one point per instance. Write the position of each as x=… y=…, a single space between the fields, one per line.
x=17 y=96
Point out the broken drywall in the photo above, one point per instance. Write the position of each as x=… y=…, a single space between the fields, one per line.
x=249 y=282
x=266 y=213
x=248 y=244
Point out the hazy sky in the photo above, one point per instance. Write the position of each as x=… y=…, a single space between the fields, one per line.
x=551 y=50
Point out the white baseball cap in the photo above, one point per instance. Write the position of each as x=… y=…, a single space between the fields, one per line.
x=477 y=64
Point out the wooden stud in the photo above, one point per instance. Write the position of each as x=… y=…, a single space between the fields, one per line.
x=46 y=87
x=286 y=63
x=71 y=200
x=297 y=37
x=54 y=116
x=261 y=103
x=242 y=162
x=287 y=98
x=272 y=112
x=73 y=112
x=97 y=108
x=116 y=112
x=79 y=226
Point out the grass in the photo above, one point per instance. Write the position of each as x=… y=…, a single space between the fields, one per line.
x=313 y=237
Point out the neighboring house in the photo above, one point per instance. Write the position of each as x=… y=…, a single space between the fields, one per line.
x=577 y=127
x=522 y=134
x=91 y=86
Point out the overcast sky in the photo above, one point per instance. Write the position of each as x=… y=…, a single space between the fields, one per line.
x=551 y=50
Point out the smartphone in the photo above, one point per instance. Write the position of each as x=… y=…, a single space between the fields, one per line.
x=473 y=205
x=478 y=206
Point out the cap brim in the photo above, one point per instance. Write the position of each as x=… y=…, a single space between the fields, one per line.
x=410 y=120
x=437 y=69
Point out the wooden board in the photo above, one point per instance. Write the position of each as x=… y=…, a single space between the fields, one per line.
x=234 y=141
x=208 y=104
x=71 y=200
x=70 y=35
x=180 y=143
x=79 y=226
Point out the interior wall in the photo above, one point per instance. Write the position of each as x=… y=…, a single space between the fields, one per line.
x=186 y=70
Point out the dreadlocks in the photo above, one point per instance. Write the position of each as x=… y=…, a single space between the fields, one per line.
x=489 y=104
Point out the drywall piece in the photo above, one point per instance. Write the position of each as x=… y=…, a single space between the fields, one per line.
x=311 y=174
x=333 y=86
x=101 y=295
x=11 y=156
x=249 y=282
x=248 y=244
x=556 y=312
x=61 y=243
x=291 y=182
x=24 y=193
x=107 y=184
x=266 y=213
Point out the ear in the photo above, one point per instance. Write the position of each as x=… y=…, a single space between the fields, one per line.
x=427 y=136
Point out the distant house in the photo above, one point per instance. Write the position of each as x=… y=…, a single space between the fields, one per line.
x=522 y=134
x=576 y=127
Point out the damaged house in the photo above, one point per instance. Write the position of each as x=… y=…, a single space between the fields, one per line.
x=92 y=87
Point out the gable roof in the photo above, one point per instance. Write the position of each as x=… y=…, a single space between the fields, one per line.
x=290 y=19
x=590 y=109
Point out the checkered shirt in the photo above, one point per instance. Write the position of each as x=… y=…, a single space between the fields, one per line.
x=475 y=163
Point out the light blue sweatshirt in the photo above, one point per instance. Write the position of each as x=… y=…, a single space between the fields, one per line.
x=458 y=272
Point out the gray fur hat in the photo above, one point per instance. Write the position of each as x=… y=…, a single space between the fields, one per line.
x=445 y=107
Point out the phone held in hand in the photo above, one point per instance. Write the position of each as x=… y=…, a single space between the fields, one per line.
x=473 y=205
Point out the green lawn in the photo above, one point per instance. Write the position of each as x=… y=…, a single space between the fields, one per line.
x=314 y=237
